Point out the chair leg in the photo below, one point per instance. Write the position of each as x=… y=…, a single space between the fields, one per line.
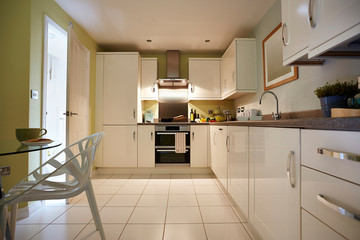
x=14 y=210
x=94 y=209
x=3 y=221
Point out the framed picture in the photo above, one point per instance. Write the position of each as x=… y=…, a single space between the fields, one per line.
x=275 y=74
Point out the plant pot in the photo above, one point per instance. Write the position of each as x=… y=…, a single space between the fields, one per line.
x=329 y=102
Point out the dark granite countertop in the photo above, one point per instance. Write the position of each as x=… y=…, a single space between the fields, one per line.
x=345 y=124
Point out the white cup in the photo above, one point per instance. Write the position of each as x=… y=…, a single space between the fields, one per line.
x=253 y=112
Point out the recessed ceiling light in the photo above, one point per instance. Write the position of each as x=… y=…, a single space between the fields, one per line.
x=149 y=40
x=207 y=40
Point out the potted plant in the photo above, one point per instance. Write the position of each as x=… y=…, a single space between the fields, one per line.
x=335 y=95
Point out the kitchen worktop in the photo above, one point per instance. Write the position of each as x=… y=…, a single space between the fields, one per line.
x=347 y=124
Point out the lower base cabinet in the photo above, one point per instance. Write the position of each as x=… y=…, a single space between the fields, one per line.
x=120 y=146
x=219 y=153
x=146 y=146
x=274 y=182
x=199 y=146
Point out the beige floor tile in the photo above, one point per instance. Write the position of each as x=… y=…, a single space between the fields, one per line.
x=158 y=182
x=131 y=190
x=59 y=232
x=44 y=215
x=228 y=231
x=212 y=200
x=174 y=189
x=106 y=189
x=207 y=189
x=181 y=182
x=185 y=232
x=148 y=215
x=112 y=232
x=123 y=201
x=136 y=182
x=156 y=189
x=114 y=182
x=153 y=201
x=142 y=232
x=204 y=182
x=27 y=231
x=101 y=200
x=176 y=200
x=75 y=215
x=222 y=214
x=183 y=215
x=115 y=214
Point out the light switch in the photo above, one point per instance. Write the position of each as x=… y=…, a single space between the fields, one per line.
x=34 y=94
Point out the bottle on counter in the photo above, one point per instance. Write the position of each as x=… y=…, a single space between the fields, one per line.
x=192 y=116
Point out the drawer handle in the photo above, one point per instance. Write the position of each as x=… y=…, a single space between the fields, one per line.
x=336 y=208
x=289 y=168
x=339 y=155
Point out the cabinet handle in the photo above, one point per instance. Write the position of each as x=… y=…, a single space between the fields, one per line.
x=311 y=17
x=134 y=112
x=233 y=76
x=153 y=88
x=285 y=42
x=339 y=155
x=191 y=87
x=193 y=135
x=290 y=162
x=227 y=143
x=336 y=208
x=151 y=135
x=134 y=135
x=214 y=138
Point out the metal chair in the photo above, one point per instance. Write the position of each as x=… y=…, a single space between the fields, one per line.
x=75 y=162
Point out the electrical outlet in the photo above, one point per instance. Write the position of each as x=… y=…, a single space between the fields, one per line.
x=4 y=171
x=34 y=94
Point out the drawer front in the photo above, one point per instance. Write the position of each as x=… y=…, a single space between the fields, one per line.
x=335 y=192
x=313 y=229
x=337 y=141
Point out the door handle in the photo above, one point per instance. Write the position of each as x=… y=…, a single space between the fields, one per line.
x=134 y=135
x=134 y=113
x=311 y=14
x=339 y=154
x=290 y=167
x=214 y=138
x=227 y=143
x=285 y=42
x=193 y=135
x=151 y=135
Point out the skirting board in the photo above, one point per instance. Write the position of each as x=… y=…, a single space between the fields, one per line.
x=156 y=170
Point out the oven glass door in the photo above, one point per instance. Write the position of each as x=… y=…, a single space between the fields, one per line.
x=169 y=156
x=167 y=139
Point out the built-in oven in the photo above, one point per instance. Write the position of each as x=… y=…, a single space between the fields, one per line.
x=165 y=141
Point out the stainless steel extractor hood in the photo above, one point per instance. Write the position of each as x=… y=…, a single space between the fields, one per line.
x=172 y=79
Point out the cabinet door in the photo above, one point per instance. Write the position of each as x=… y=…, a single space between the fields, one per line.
x=120 y=88
x=149 y=88
x=228 y=67
x=238 y=169
x=274 y=203
x=199 y=146
x=146 y=146
x=213 y=148
x=204 y=76
x=244 y=79
x=331 y=21
x=222 y=151
x=295 y=29
x=120 y=146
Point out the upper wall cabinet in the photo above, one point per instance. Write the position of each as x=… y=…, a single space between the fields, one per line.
x=314 y=27
x=295 y=30
x=204 y=77
x=238 y=68
x=120 y=78
x=149 y=88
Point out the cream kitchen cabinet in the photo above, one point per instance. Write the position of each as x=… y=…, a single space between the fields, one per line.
x=149 y=87
x=331 y=23
x=238 y=167
x=295 y=30
x=204 y=77
x=274 y=173
x=238 y=68
x=199 y=146
x=120 y=146
x=120 y=80
x=146 y=146
x=219 y=153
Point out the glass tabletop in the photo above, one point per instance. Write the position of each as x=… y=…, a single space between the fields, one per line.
x=9 y=147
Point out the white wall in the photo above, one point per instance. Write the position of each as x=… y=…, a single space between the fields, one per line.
x=299 y=94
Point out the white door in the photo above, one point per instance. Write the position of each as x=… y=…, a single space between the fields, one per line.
x=274 y=203
x=199 y=146
x=146 y=146
x=54 y=85
x=78 y=89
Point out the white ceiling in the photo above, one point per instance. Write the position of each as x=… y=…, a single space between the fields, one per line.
x=125 y=25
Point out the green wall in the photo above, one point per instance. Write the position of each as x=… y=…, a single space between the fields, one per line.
x=21 y=47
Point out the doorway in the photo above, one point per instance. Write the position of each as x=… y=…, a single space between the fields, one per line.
x=55 y=85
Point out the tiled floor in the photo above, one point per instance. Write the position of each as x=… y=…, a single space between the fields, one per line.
x=144 y=207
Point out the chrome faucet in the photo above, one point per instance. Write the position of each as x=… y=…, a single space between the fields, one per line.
x=277 y=115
